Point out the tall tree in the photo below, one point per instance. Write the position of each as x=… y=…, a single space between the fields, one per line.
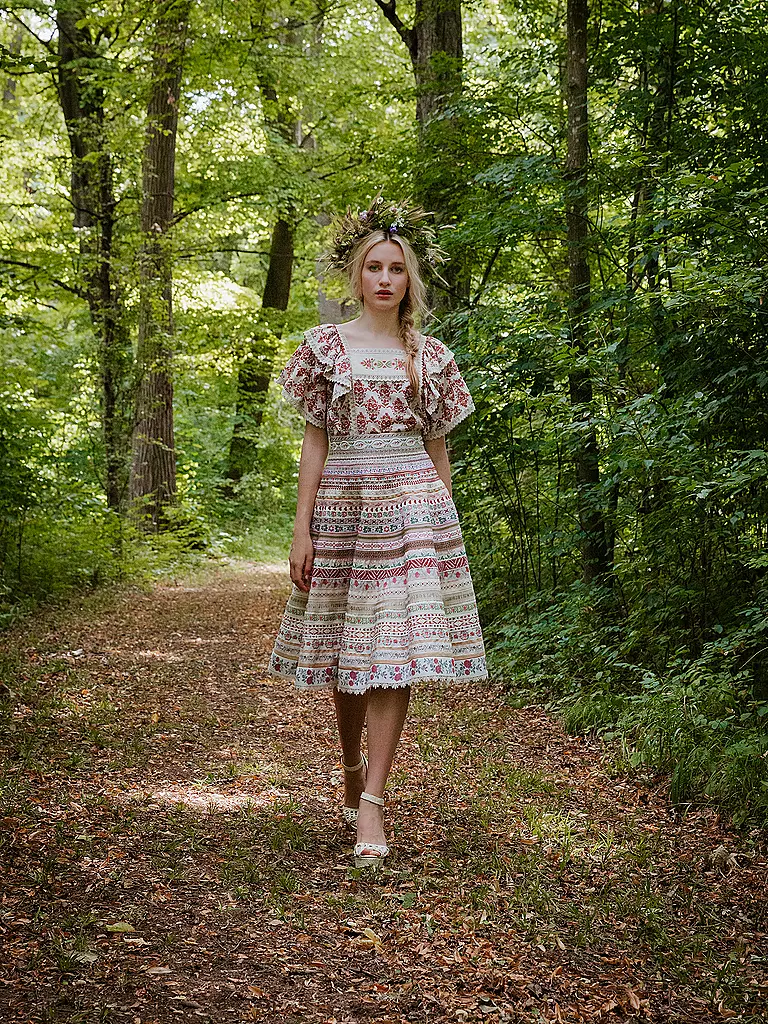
x=256 y=364
x=153 y=469
x=594 y=542
x=435 y=46
x=81 y=94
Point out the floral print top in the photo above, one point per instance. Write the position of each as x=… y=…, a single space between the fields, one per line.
x=367 y=390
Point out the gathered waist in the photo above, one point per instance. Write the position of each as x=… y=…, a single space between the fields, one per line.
x=384 y=445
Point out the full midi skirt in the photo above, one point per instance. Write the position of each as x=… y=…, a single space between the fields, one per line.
x=391 y=600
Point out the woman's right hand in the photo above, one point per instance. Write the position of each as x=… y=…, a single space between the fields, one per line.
x=301 y=557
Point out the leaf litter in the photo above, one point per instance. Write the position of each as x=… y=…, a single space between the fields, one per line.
x=172 y=849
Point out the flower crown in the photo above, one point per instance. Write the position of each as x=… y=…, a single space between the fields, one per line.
x=401 y=220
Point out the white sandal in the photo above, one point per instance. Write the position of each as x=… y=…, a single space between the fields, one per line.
x=349 y=814
x=370 y=854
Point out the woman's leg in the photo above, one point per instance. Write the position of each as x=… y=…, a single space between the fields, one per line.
x=387 y=707
x=350 y=718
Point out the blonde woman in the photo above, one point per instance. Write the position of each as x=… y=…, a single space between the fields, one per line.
x=382 y=595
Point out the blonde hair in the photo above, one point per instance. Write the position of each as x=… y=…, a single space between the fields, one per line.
x=413 y=305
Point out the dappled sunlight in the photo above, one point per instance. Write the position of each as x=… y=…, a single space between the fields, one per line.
x=175 y=656
x=169 y=656
x=197 y=798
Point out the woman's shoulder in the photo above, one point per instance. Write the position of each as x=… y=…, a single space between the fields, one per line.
x=326 y=334
x=324 y=341
x=436 y=353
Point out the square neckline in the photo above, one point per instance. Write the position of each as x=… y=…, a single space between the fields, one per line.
x=419 y=354
x=373 y=348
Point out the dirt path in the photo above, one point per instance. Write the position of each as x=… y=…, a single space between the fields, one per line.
x=171 y=847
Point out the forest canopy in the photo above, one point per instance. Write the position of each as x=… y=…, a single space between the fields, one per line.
x=598 y=178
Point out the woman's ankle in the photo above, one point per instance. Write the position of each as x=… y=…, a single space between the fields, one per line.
x=353 y=764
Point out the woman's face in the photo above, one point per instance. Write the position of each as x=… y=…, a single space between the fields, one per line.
x=384 y=277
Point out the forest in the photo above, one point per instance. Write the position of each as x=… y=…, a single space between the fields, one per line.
x=597 y=175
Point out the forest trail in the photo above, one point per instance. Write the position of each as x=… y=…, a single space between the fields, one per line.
x=172 y=849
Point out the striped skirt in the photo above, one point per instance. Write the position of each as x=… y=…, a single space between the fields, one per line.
x=390 y=599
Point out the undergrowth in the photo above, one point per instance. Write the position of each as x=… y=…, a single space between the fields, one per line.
x=699 y=717
x=59 y=558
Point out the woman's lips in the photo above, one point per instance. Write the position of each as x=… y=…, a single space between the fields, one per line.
x=384 y=294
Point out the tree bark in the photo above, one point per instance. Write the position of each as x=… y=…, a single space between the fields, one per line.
x=153 y=468
x=255 y=369
x=594 y=541
x=93 y=201
x=435 y=46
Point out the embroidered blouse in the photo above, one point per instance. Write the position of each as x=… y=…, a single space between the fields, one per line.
x=367 y=390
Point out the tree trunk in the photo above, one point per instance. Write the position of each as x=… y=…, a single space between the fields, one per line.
x=594 y=546
x=153 y=469
x=257 y=364
x=255 y=369
x=658 y=141
x=435 y=46
x=93 y=202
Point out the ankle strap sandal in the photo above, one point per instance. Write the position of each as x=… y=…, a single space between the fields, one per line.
x=371 y=854
x=349 y=814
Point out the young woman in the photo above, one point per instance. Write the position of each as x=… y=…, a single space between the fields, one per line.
x=382 y=596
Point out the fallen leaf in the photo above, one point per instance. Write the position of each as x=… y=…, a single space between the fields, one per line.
x=632 y=996
x=85 y=958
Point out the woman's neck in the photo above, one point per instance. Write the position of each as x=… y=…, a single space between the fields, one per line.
x=379 y=325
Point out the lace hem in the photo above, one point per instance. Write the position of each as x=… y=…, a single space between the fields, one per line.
x=332 y=683
x=446 y=428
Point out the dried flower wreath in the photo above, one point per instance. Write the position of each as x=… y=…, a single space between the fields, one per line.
x=395 y=219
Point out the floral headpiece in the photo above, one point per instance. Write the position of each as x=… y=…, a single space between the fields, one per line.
x=397 y=220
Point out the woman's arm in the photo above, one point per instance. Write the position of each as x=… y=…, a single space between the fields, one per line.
x=438 y=452
x=314 y=452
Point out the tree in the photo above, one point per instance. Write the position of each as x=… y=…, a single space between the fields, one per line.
x=79 y=76
x=255 y=368
x=153 y=469
x=435 y=46
x=594 y=545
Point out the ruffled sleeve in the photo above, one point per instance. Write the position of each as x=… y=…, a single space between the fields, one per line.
x=305 y=385
x=445 y=395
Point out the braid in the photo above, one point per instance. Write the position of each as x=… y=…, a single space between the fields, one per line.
x=409 y=336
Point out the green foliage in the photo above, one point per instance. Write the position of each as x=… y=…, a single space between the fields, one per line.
x=701 y=720
x=678 y=366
